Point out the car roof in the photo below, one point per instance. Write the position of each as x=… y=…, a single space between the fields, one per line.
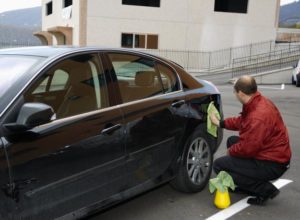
x=50 y=52
x=53 y=51
x=43 y=51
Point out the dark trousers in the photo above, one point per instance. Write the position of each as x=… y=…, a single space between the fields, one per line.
x=250 y=175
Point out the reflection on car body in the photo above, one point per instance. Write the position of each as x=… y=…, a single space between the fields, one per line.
x=85 y=128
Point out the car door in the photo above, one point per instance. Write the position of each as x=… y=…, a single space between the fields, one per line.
x=153 y=105
x=78 y=158
x=6 y=203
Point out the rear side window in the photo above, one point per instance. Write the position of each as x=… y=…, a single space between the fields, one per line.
x=168 y=78
x=72 y=86
x=137 y=76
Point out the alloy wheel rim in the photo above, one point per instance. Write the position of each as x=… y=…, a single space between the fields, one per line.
x=198 y=161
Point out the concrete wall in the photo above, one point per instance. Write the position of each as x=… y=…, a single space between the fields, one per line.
x=223 y=30
x=182 y=25
x=281 y=76
x=275 y=77
x=288 y=34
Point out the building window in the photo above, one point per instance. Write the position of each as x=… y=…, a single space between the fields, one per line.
x=140 y=41
x=49 y=9
x=149 y=3
x=152 y=41
x=127 y=40
x=67 y=3
x=233 y=6
x=130 y=40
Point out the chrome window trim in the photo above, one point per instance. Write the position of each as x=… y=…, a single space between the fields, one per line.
x=149 y=98
x=99 y=111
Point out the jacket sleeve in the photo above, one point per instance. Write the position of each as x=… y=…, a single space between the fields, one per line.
x=250 y=141
x=232 y=123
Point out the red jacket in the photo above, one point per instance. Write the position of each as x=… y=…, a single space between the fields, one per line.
x=262 y=132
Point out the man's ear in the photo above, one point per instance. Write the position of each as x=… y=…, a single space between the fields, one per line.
x=241 y=94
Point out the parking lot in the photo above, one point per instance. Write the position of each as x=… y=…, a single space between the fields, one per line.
x=166 y=203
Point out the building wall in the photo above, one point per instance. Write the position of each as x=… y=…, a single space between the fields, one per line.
x=223 y=30
x=180 y=24
x=288 y=34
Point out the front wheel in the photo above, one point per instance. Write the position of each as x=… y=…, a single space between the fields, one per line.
x=196 y=166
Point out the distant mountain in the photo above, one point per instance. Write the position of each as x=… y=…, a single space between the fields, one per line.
x=290 y=15
x=17 y=27
x=17 y=36
x=30 y=17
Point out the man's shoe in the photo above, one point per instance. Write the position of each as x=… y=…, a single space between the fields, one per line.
x=258 y=200
x=274 y=194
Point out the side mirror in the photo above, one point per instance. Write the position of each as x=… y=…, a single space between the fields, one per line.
x=30 y=116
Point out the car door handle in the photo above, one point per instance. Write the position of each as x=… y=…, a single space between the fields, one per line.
x=177 y=104
x=110 y=128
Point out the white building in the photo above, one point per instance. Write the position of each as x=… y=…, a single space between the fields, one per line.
x=164 y=24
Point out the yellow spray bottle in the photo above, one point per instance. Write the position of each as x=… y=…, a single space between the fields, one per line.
x=220 y=184
x=222 y=199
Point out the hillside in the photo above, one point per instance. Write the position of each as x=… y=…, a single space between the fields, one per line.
x=12 y=35
x=290 y=15
x=17 y=27
x=31 y=17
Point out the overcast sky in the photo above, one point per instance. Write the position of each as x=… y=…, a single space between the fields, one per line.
x=7 y=5
x=283 y=2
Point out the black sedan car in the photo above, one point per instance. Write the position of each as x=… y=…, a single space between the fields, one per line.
x=84 y=128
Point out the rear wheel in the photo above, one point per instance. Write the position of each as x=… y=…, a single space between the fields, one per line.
x=196 y=165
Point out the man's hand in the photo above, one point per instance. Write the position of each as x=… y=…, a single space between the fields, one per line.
x=214 y=119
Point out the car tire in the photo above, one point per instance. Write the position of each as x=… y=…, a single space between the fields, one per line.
x=293 y=81
x=196 y=164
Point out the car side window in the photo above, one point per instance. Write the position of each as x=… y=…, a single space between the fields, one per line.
x=137 y=76
x=73 y=86
x=168 y=78
x=57 y=82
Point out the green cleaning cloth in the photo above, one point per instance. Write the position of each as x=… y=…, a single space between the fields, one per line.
x=211 y=128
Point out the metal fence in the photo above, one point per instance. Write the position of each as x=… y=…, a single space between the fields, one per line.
x=201 y=61
x=208 y=61
x=265 y=62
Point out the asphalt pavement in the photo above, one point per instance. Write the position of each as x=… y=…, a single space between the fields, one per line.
x=166 y=203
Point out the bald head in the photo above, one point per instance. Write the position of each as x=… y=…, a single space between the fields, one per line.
x=246 y=84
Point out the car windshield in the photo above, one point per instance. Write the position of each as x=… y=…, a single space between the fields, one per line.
x=12 y=72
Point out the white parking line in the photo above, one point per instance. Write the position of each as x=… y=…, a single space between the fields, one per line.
x=268 y=87
x=242 y=204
